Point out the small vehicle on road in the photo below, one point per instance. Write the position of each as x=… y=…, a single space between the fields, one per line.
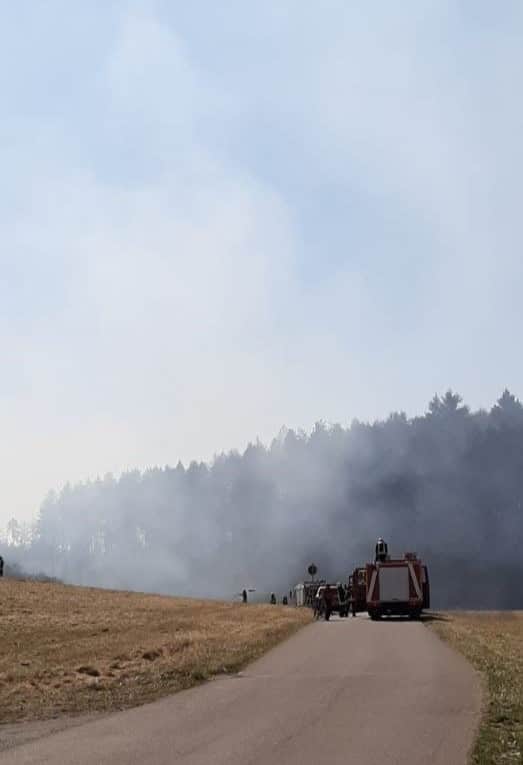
x=329 y=599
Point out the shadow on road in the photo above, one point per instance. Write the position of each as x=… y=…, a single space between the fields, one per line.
x=432 y=616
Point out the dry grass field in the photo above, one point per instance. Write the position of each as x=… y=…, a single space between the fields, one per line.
x=71 y=650
x=493 y=643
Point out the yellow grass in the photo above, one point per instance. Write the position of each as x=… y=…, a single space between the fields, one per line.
x=70 y=650
x=493 y=643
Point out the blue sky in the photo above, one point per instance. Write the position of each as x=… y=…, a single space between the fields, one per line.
x=218 y=219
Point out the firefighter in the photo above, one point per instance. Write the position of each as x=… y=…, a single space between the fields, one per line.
x=273 y=599
x=328 y=595
x=382 y=550
x=285 y=601
x=317 y=603
x=1 y=566
x=244 y=596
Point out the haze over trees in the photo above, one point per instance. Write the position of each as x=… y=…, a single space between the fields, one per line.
x=448 y=484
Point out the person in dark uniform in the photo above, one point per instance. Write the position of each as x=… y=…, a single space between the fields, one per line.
x=285 y=601
x=382 y=550
x=244 y=596
x=273 y=599
x=1 y=566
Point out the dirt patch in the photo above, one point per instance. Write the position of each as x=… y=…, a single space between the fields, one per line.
x=493 y=643
x=67 y=651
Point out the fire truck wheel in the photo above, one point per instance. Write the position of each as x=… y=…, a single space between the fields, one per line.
x=327 y=615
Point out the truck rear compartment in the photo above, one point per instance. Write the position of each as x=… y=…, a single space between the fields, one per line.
x=395 y=588
x=394 y=584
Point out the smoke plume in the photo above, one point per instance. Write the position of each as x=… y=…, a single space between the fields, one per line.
x=448 y=485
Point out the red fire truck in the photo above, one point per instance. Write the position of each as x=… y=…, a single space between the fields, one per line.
x=397 y=586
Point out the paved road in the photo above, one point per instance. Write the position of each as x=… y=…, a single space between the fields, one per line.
x=345 y=691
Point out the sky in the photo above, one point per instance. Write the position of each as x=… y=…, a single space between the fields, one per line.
x=218 y=219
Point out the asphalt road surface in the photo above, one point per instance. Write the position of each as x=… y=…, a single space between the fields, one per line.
x=344 y=691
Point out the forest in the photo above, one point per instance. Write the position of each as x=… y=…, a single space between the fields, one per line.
x=447 y=484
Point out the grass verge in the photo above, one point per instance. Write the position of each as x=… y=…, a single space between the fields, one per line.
x=493 y=643
x=71 y=650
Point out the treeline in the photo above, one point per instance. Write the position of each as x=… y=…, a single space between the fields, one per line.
x=448 y=485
